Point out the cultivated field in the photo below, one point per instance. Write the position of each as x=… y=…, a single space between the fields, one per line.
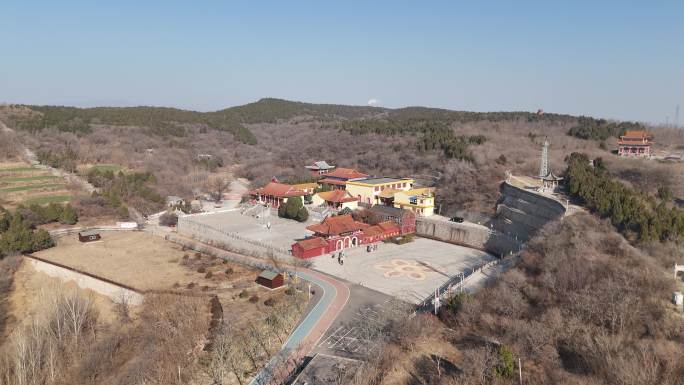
x=20 y=183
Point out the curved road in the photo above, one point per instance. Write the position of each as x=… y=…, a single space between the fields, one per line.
x=307 y=334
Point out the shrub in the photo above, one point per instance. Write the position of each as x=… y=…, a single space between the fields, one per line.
x=293 y=209
x=201 y=269
x=208 y=275
x=270 y=302
x=506 y=366
x=254 y=298
x=290 y=291
x=244 y=294
x=168 y=219
x=229 y=271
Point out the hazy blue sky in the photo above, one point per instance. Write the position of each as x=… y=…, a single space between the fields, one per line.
x=616 y=59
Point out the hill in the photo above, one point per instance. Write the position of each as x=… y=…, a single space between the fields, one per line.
x=465 y=154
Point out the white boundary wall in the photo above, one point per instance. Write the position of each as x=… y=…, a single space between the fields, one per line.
x=108 y=289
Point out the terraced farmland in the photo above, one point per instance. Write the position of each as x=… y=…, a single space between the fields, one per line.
x=22 y=183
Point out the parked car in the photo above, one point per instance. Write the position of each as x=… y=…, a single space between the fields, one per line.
x=456 y=219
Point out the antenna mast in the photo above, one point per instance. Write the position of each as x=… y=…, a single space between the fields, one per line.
x=676 y=117
x=544 y=166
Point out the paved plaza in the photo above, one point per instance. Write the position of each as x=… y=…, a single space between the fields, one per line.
x=282 y=232
x=410 y=272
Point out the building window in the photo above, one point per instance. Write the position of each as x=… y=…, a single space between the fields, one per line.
x=377 y=188
x=403 y=185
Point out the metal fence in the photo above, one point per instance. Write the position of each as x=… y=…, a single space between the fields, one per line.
x=230 y=240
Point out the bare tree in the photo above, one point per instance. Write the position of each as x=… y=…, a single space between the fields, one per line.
x=217 y=186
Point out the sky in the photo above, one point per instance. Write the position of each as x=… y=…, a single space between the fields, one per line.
x=612 y=59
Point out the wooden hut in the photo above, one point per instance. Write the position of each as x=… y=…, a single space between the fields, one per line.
x=89 y=236
x=270 y=279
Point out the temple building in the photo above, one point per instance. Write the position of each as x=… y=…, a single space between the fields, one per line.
x=405 y=219
x=335 y=199
x=635 y=143
x=373 y=191
x=320 y=168
x=341 y=232
x=308 y=188
x=338 y=179
x=419 y=200
x=274 y=194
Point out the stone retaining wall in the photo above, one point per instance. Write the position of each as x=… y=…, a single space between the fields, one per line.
x=108 y=288
x=467 y=234
x=521 y=213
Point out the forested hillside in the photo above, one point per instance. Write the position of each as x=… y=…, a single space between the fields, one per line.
x=464 y=154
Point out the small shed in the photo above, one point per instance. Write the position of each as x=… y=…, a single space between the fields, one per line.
x=270 y=279
x=89 y=236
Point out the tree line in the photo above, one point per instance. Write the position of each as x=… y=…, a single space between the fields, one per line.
x=601 y=129
x=18 y=229
x=159 y=121
x=119 y=189
x=631 y=211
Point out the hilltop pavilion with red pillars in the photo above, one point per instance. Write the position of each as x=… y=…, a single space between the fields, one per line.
x=635 y=143
x=342 y=232
x=274 y=193
x=338 y=179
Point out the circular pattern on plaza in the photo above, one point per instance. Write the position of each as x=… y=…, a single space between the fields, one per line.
x=397 y=268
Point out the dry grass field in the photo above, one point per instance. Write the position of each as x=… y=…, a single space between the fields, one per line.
x=30 y=285
x=20 y=183
x=149 y=263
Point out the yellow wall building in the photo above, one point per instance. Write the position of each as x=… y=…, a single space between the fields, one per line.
x=373 y=191
x=419 y=200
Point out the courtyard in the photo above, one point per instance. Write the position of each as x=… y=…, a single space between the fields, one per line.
x=410 y=272
x=281 y=234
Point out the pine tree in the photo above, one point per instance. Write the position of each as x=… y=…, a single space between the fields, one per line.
x=68 y=216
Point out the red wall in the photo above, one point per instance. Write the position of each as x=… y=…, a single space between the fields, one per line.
x=298 y=252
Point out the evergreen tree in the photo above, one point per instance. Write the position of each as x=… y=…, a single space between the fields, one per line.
x=68 y=215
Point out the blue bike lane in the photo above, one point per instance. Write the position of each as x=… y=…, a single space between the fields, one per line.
x=313 y=326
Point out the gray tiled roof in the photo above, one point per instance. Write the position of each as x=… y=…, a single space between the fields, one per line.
x=268 y=274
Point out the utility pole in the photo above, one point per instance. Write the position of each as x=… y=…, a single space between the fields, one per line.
x=520 y=370
x=676 y=118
